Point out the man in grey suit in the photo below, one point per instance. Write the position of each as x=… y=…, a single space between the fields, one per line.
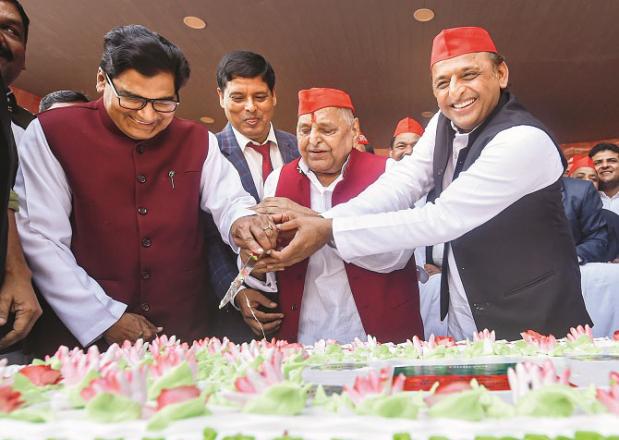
x=246 y=88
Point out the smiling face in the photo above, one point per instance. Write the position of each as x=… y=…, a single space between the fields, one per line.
x=403 y=145
x=249 y=105
x=607 y=166
x=586 y=173
x=138 y=124
x=325 y=142
x=467 y=88
x=12 y=42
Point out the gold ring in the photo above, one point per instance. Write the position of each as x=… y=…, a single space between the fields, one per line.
x=268 y=228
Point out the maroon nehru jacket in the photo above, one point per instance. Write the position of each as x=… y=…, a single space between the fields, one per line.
x=388 y=304
x=136 y=217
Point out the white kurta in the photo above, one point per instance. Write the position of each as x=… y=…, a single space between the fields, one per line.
x=45 y=230
x=254 y=159
x=328 y=309
x=610 y=203
x=517 y=162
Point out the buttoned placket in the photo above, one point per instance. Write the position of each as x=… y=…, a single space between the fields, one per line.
x=142 y=211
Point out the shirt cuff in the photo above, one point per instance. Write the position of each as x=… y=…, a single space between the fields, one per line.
x=14 y=201
x=95 y=332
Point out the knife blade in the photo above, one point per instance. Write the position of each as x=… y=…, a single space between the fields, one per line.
x=237 y=283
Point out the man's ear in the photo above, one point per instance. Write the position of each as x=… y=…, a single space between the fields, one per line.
x=503 y=74
x=100 y=81
x=220 y=93
x=274 y=98
x=356 y=130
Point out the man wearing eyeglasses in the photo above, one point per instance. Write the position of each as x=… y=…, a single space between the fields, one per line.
x=112 y=192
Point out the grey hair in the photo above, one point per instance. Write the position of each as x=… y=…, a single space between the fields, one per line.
x=346 y=115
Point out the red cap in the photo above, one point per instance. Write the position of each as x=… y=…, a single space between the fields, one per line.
x=311 y=100
x=362 y=139
x=580 y=162
x=454 y=42
x=408 y=125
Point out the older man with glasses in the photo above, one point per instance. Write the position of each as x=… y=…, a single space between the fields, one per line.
x=112 y=193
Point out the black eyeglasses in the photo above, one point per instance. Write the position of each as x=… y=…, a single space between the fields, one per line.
x=138 y=103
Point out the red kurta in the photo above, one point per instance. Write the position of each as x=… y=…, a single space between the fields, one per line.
x=388 y=304
x=136 y=217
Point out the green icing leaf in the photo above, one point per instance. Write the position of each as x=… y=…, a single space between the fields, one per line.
x=107 y=407
x=28 y=415
x=465 y=406
x=401 y=436
x=536 y=437
x=549 y=401
x=30 y=393
x=320 y=397
x=587 y=435
x=73 y=393
x=239 y=437
x=285 y=398
x=209 y=434
x=178 y=376
x=177 y=411
x=401 y=405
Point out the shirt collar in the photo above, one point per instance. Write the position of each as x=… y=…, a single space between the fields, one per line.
x=303 y=168
x=243 y=140
x=605 y=196
x=459 y=133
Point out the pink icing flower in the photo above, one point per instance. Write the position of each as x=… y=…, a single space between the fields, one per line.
x=41 y=375
x=425 y=348
x=128 y=383
x=544 y=344
x=576 y=333
x=75 y=364
x=10 y=400
x=530 y=376
x=169 y=396
x=376 y=382
x=484 y=335
x=616 y=335
x=610 y=398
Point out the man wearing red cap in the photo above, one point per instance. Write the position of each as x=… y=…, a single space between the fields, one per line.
x=407 y=133
x=510 y=263
x=326 y=297
x=582 y=168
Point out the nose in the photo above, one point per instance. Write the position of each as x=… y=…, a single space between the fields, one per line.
x=454 y=86
x=250 y=105
x=313 y=136
x=148 y=113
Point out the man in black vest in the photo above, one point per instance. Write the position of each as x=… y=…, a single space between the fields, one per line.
x=510 y=261
x=19 y=308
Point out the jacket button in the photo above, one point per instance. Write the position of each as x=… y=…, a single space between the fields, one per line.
x=146 y=242
x=146 y=275
x=293 y=307
x=141 y=178
x=140 y=149
x=142 y=211
x=145 y=307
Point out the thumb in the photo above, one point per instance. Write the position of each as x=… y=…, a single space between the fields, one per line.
x=5 y=307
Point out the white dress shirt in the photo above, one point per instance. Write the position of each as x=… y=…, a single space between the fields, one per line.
x=610 y=203
x=254 y=159
x=328 y=309
x=517 y=162
x=45 y=230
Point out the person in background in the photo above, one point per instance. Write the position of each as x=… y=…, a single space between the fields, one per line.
x=582 y=168
x=325 y=296
x=362 y=144
x=61 y=98
x=19 y=307
x=407 y=133
x=246 y=89
x=605 y=157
